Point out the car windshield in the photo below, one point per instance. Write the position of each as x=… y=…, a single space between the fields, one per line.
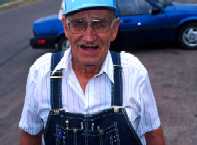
x=137 y=7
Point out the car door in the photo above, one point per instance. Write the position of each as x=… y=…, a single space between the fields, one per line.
x=130 y=13
x=138 y=24
x=154 y=26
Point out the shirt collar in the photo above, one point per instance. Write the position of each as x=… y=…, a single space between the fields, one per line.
x=107 y=67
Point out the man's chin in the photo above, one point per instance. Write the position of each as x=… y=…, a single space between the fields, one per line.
x=91 y=62
x=89 y=52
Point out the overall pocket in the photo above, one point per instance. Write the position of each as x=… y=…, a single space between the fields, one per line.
x=69 y=136
x=111 y=135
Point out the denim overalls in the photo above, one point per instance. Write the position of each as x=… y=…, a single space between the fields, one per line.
x=107 y=127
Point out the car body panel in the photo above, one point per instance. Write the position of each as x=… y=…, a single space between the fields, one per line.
x=49 y=25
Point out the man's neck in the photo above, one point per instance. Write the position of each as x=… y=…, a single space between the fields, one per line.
x=85 y=73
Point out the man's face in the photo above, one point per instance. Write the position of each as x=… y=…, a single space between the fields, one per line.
x=90 y=33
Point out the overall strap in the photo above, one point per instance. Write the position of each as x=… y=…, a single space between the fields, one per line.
x=56 y=81
x=116 y=99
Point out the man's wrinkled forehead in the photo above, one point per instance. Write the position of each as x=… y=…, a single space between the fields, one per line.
x=105 y=13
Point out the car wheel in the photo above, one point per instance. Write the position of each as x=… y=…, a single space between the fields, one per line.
x=63 y=44
x=188 y=36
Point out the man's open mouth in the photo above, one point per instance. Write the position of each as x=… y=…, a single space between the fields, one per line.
x=83 y=46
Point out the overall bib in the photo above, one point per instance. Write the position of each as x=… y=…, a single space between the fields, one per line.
x=107 y=127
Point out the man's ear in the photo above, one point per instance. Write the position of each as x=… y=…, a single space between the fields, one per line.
x=65 y=26
x=115 y=29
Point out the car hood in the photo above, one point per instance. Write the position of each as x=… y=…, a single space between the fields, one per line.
x=185 y=7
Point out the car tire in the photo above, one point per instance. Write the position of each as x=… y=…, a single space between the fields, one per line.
x=63 y=44
x=188 y=36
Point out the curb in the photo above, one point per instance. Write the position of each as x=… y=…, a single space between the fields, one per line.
x=16 y=2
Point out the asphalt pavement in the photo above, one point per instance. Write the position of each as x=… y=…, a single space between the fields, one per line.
x=15 y=58
x=172 y=73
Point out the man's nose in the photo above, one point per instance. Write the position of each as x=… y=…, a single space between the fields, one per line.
x=89 y=34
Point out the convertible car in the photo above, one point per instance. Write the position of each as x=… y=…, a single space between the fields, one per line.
x=141 y=22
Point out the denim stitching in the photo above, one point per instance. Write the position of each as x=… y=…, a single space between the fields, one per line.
x=75 y=137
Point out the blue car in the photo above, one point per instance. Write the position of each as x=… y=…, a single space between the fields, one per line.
x=141 y=22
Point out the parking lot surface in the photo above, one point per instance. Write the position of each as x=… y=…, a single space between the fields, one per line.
x=172 y=73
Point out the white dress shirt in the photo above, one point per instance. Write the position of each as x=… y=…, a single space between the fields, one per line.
x=138 y=98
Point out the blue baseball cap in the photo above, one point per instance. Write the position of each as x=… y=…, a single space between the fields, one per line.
x=71 y=6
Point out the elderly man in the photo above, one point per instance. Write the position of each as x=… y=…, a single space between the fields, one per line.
x=88 y=95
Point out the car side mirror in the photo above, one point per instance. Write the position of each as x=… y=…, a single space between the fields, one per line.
x=154 y=11
x=159 y=4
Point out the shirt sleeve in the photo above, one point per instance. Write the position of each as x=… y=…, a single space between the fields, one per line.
x=30 y=121
x=149 y=117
